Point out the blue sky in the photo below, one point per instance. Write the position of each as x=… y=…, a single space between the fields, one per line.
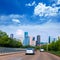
x=35 y=16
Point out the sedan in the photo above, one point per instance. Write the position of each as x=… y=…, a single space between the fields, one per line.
x=41 y=50
x=30 y=51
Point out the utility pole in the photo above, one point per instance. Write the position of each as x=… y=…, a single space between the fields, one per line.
x=47 y=46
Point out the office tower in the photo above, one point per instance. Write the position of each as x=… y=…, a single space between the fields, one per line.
x=54 y=39
x=38 y=40
x=49 y=38
x=26 y=39
x=32 y=41
x=11 y=36
x=25 y=34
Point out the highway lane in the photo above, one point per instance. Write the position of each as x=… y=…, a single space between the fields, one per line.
x=37 y=56
x=16 y=56
x=48 y=56
x=32 y=57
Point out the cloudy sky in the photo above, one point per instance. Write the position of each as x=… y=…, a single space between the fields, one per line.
x=38 y=17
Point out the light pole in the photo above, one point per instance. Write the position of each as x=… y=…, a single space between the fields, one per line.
x=47 y=46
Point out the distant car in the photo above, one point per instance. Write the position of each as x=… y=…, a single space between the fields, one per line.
x=30 y=51
x=41 y=50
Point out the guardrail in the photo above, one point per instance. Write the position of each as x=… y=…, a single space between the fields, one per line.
x=8 y=50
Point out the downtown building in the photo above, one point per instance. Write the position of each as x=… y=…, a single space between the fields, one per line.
x=26 y=41
x=32 y=41
x=51 y=39
x=11 y=36
x=38 y=40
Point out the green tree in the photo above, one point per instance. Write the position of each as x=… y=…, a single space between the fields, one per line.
x=6 y=41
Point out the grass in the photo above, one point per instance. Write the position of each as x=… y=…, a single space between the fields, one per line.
x=55 y=53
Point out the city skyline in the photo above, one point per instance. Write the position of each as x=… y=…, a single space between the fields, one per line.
x=34 y=16
x=34 y=40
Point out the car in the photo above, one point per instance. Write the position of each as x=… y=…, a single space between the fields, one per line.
x=41 y=50
x=30 y=51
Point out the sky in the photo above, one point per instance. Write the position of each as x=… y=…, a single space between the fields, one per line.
x=37 y=17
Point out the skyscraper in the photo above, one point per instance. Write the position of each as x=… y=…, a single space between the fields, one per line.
x=11 y=36
x=49 y=39
x=26 y=39
x=38 y=40
x=54 y=39
x=26 y=34
x=32 y=41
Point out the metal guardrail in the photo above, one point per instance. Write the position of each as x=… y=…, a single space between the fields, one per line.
x=8 y=50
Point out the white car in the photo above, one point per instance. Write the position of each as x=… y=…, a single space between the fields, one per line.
x=41 y=50
x=30 y=51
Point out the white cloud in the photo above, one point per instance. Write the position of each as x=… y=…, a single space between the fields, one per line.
x=19 y=32
x=3 y=17
x=11 y=16
x=16 y=20
x=43 y=10
x=12 y=19
x=16 y=16
x=53 y=5
x=58 y=2
x=31 y=4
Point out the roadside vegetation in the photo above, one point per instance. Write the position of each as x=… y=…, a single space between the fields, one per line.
x=53 y=47
x=55 y=52
x=6 y=41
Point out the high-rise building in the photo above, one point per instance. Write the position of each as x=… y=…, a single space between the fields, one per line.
x=38 y=40
x=54 y=39
x=11 y=36
x=25 y=34
x=49 y=39
x=26 y=39
x=32 y=41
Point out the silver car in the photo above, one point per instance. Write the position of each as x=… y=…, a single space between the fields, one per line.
x=30 y=51
x=41 y=50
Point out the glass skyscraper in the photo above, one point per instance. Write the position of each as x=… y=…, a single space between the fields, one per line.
x=26 y=39
x=11 y=36
x=38 y=40
x=49 y=40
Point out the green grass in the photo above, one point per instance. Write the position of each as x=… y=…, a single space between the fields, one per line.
x=55 y=53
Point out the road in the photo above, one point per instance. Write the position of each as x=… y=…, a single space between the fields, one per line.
x=37 y=56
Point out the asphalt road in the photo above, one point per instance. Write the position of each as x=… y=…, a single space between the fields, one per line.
x=38 y=56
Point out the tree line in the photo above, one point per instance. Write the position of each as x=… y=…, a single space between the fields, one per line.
x=53 y=46
x=6 y=41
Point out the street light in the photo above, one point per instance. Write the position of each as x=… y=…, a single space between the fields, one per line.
x=47 y=46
